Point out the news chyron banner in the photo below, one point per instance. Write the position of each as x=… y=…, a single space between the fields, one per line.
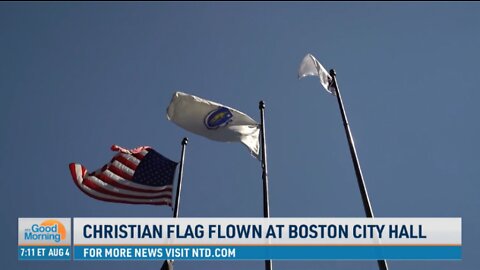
x=267 y=238
x=44 y=238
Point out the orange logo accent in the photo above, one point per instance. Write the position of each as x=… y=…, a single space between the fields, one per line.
x=61 y=229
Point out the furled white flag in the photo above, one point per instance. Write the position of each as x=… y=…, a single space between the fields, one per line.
x=214 y=121
x=311 y=67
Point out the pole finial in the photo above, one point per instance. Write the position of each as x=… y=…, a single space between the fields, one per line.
x=261 y=105
x=185 y=141
x=333 y=72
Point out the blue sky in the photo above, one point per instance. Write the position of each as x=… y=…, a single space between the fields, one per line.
x=76 y=78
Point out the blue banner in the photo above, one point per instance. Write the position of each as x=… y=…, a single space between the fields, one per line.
x=267 y=252
x=44 y=253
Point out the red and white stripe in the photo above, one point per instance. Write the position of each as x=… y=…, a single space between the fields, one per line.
x=113 y=182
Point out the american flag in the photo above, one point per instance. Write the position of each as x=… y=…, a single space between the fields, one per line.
x=137 y=176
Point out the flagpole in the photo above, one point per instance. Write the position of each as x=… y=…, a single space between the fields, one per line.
x=168 y=264
x=266 y=208
x=382 y=264
x=180 y=178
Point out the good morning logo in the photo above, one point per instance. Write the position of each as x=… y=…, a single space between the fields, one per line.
x=47 y=230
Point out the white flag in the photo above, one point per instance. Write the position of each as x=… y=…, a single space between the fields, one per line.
x=214 y=121
x=311 y=67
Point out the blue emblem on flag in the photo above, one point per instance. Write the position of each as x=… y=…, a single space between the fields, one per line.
x=218 y=118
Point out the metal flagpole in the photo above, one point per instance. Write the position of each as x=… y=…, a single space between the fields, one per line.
x=266 y=208
x=180 y=178
x=382 y=264
x=168 y=264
